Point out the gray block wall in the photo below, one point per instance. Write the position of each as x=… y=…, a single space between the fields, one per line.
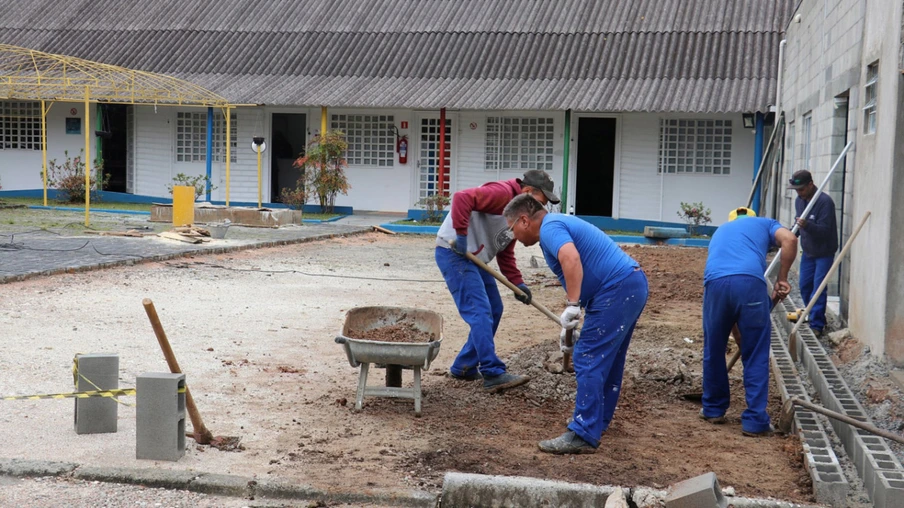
x=96 y=415
x=160 y=416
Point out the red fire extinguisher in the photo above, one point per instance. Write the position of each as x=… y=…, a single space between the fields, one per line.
x=402 y=148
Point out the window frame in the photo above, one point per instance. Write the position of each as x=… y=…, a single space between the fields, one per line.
x=679 y=155
x=520 y=143
x=807 y=141
x=20 y=125
x=870 y=98
x=371 y=140
x=195 y=148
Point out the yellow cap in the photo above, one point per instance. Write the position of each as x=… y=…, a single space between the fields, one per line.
x=740 y=212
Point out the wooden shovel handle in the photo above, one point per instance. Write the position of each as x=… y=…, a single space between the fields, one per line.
x=201 y=434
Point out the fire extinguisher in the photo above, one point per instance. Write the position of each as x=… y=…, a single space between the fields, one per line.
x=402 y=149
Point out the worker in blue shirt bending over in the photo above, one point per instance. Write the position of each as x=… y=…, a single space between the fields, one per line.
x=818 y=241
x=609 y=285
x=735 y=291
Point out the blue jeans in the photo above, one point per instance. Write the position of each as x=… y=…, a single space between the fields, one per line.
x=599 y=354
x=479 y=304
x=812 y=272
x=744 y=300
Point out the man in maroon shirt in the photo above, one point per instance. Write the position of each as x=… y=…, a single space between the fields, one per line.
x=475 y=223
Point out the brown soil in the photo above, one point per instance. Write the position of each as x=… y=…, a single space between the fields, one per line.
x=258 y=346
x=655 y=440
x=401 y=332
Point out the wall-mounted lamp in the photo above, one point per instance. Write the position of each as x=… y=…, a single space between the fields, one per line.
x=749 y=120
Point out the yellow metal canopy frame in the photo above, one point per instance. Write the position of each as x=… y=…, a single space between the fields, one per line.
x=30 y=75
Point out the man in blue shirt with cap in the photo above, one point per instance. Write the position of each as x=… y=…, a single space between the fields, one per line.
x=735 y=292
x=818 y=241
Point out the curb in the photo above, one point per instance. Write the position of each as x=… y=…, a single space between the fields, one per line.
x=187 y=253
x=465 y=489
x=214 y=484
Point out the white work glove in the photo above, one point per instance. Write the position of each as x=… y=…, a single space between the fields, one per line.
x=570 y=317
x=574 y=340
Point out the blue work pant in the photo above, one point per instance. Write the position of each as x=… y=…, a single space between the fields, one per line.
x=599 y=354
x=479 y=304
x=812 y=272
x=744 y=300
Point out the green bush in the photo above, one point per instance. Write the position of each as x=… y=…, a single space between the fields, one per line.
x=294 y=198
x=69 y=178
x=199 y=182
x=434 y=206
x=695 y=215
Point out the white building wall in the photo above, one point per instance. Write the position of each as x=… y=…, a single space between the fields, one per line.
x=644 y=193
x=387 y=189
x=154 y=144
x=471 y=158
x=21 y=169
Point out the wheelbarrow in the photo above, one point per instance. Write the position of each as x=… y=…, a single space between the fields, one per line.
x=394 y=356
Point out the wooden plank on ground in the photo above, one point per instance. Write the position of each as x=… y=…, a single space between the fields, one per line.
x=176 y=236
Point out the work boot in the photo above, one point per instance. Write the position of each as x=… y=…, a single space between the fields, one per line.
x=718 y=420
x=469 y=376
x=569 y=442
x=503 y=382
x=766 y=433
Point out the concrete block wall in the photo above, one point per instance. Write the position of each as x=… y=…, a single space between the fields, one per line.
x=875 y=462
x=829 y=484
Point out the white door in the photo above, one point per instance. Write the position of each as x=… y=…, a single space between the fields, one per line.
x=427 y=161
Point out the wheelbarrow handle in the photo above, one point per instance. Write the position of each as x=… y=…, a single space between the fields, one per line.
x=341 y=340
x=498 y=276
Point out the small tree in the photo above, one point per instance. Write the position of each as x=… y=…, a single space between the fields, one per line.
x=69 y=178
x=324 y=166
x=695 y=215
x=199 y=182
x=434 y=206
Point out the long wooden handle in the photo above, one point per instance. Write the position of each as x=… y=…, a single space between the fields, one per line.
x=202 y=435
x=498 y=276
x=848 y=420
x=792 y=337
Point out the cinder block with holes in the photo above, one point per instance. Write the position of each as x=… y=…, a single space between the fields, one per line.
x=695 y=492
x=160 y=416
x=96 y=415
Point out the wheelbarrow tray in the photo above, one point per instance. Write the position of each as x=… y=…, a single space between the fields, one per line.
x=409 y=354
x=392 y=355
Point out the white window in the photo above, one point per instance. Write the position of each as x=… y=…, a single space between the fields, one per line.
x=191 y=137
x=370 y=138
x=20 y=125
x=790 y=149
x=869 y=110
x=806 y=133
x=514 y=143
x=695 y=146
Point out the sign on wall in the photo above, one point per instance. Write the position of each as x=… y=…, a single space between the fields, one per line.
x=73 y=126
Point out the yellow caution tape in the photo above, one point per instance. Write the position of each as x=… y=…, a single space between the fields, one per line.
x=80 y=395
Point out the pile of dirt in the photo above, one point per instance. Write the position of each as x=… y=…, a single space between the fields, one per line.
x=397 y=333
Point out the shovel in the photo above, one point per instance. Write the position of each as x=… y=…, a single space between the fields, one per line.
x=736 y=333
x=569 y=341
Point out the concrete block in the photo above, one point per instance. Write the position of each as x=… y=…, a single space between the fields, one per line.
x=698 y=492
x=160 y=416
x=889 y=490
x=96 y=415
x=662 y=232
x=463 y=489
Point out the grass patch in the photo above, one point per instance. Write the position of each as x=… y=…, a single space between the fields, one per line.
x=106 y=205
x=618 y=232
x=412 y=222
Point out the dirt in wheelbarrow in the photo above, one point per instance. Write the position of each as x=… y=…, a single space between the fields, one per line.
x=397 y=333
x=254 y=332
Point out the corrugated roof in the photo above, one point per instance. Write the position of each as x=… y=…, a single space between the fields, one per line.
x=594 y=55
